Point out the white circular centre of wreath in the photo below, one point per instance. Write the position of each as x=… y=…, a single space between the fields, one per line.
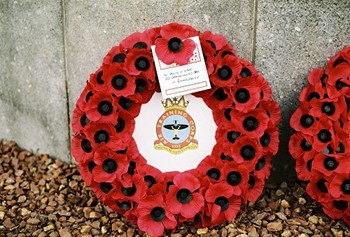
x=199 y=131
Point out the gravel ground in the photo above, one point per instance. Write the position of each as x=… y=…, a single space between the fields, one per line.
x=40 y=196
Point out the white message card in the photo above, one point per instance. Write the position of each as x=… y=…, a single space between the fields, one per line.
x=176 y=80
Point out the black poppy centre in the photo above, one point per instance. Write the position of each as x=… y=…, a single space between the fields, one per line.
x=250 y=123
x=324 y=136
x=150 y=180
x=306 y=121
x=86 y=145
x=142 y=64
x=119 y=82
x=234 y=178
x=184 y=196
x=101 y=136
x=248 y=152
x=345 y=187
x=125 y=103
x=232 y=136
x=125 y=205
x=219 y=94
x=265 y=140
x=223 y=202
x=129 y=191
x=158 y=214
x=328 y=108
x=330 y=163
x=214 y=173
x=242 y=95
x=109 y=165
x=105 y=107
x=175 y=45
x=321 y=185
x=305 y=145
x=225 y=73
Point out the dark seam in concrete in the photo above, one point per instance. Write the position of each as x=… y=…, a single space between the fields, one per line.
x=255 y=23
x=66 y=73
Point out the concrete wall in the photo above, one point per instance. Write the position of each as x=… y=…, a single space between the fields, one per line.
x=49 y=48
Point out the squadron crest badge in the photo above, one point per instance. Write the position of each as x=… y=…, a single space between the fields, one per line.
x=175 y=128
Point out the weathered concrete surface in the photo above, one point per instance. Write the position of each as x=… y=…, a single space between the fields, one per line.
x=292 y=38
x=33 y=107
x=93 y=27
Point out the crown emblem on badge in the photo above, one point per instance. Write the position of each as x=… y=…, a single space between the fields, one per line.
x=175 y=103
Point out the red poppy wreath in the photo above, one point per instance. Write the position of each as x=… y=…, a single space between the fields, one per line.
x=108 y=157
x=321 y=144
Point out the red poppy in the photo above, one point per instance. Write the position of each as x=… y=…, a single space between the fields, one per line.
x=226 y=50
x=101 y=107
x=85 y=170
x=174 y=45
x=266 y=92
x=341 y=59
x=273 y=111
x=303 y=168
x=79 y=120
x=311 y=93
x=331 y=108
x=183 y=197
x=211 y=167
x=248 y=70
x=226 y=137
x=154 y=216
x=222 y=117
x=263 y=167
x=301 y=146
x=222 y=204
x=124 y=125
x=118 y=82
x=81 y=149
x=252 y=124
x=121 y=206
x=109 y=165
x=128 y=106
x=144 y=89
x=218 y=98
x=269 y=140
x=227 y=71
x=85 y=96
x=237 y=177
x=117 y=54
x=256 y=186
x=341 y=128
x=151 y=175
x=142 y=40
x=324 y=135
x=139 y=61
x=338 y=82
x=340 y=186
x=132 y=187
x=318 y=187
x=100 y=133
x=104 y=190
x=130 y=150
x=331 y=164
x=97 y=79
x=222 y=151
x=246 y=95
x=336 y=209
x=246 y=150
x=215 y=41
x=303 y=122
